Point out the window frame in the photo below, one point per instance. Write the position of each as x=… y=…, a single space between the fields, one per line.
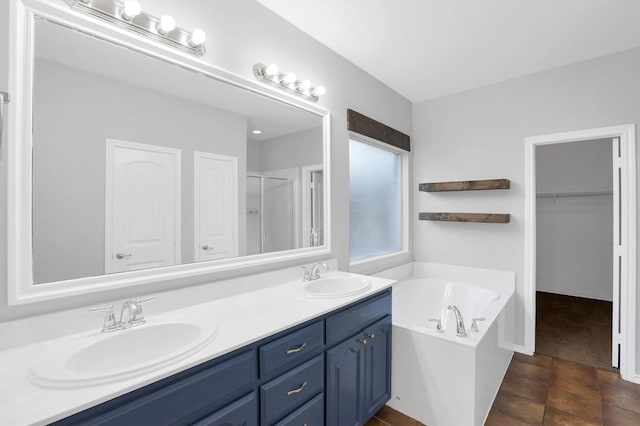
x=378 y=262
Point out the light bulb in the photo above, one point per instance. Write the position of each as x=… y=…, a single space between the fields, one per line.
x=272 y=70
x=167 y=24
x=290 y=78
x=131 y=9
x=198 y=37
x=305 y=85
x=257 y=132
x=320 y=90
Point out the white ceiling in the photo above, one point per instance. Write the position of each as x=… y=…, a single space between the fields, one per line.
x=430 y=48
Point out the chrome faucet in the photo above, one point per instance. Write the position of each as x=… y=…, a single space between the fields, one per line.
x=313 y=273
x=131 y=315
x=460 y=331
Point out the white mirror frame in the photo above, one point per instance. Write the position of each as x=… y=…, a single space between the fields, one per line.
x=21 y=288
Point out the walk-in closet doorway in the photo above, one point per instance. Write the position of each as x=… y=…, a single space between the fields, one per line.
x=622 y=234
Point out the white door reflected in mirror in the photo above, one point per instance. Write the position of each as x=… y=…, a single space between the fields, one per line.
x=142 y=222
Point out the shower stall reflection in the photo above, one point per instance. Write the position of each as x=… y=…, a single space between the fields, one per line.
x=270 y=214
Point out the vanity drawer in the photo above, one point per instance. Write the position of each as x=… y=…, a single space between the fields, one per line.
x=291 y=349
x=346 y=323
x=241 y=412
x=310 y=414
x=194 y=396
x=282 y=395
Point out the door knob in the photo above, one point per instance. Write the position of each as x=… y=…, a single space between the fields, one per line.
x=121 y=255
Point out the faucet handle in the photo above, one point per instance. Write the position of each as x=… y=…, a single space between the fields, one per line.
x=146 y=299
x=307 y=273
x=474 y=323
x=438 y=322
x=110 y=322
x=137 y=316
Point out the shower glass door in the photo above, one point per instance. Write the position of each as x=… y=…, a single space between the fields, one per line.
x=270 y=217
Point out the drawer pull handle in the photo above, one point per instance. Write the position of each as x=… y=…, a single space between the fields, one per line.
x=295 y=391
x=298 y=349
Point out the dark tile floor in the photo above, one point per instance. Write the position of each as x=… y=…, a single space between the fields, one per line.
x=541 y=390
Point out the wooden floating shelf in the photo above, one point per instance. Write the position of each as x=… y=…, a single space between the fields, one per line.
x=466 y=217
x=465 y=185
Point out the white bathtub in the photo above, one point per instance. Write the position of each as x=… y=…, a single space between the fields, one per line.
x=441 y=379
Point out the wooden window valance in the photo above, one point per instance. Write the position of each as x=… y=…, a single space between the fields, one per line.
x=367 y=126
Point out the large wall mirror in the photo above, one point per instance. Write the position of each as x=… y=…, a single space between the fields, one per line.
x=142 y=168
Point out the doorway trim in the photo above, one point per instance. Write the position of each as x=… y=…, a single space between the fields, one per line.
x=306 y=202
x=627 y=190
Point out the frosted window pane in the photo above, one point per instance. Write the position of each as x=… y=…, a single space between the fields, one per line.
x=375 y=201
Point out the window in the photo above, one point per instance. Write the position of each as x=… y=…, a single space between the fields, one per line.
x=376 y=199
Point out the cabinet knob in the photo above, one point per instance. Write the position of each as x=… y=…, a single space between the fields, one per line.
x=363 y=341
x=372 y=336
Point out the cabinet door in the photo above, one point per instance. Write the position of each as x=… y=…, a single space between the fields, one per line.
x=378 y=366
x=345 y=382
x=243 y=412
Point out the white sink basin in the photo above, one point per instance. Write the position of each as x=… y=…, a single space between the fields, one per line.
x=328 y=287
x=119 y=355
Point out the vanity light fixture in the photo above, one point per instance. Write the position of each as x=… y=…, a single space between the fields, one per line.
x=129 y=14
x=131 y=9
x=166 y=25
x=287 y=81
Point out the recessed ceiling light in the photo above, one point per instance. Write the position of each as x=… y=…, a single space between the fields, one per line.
x=256 y=132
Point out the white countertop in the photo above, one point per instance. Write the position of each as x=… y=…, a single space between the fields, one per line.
x=242 y=319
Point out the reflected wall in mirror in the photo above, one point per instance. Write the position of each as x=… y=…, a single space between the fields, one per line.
x=138 y=163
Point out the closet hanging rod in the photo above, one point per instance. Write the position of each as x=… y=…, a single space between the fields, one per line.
x=4 y=99
x=573 y=194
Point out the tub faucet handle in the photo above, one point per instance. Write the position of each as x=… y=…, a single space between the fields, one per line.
x=474 y=324
x=438 y=322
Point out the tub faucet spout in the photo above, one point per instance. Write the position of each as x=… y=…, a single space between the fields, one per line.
x=460 y=331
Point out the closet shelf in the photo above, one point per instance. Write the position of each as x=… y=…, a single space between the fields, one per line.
x=573 y=194
x=466 y=217
x=465 y=185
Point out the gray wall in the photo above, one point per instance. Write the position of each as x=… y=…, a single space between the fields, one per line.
x=294 y=150
x=585 y=166
x=239 y=34
x=574 y=238
x=76 y=112
x=480 y=134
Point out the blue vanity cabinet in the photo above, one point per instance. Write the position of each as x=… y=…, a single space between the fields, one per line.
x=359 y=368
x=345 y=382
x=378 y=366
x=182 y=399
x=332 y=370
